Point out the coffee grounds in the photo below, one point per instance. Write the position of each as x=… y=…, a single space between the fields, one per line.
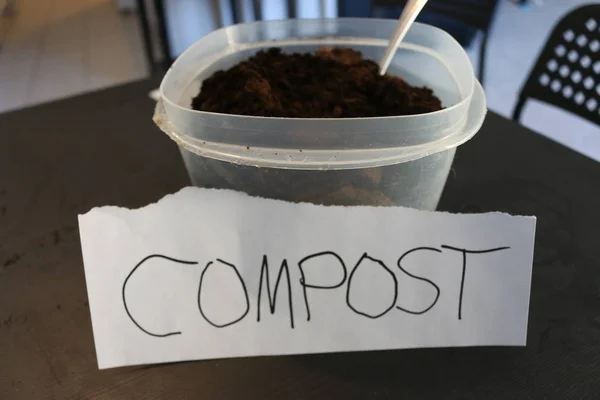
x=333 y=83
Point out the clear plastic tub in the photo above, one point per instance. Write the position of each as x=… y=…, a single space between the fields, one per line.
x=401 y=160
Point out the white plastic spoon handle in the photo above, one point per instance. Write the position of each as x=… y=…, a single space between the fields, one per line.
x=408 y=16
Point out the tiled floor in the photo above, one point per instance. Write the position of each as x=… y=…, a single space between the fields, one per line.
x=57 y=48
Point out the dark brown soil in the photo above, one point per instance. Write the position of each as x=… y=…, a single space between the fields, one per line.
x=333 y=83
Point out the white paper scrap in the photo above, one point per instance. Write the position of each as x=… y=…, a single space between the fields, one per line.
x=207 y=274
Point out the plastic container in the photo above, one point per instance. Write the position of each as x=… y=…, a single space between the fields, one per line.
x=401 y=160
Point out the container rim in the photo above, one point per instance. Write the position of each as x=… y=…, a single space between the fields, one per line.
x=323 y=159
x=239 y=117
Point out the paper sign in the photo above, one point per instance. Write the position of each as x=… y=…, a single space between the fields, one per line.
x=206 y=274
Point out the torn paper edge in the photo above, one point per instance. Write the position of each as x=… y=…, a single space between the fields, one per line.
x=169 y=196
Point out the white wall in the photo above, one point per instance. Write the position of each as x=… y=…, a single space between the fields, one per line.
x=189 y=20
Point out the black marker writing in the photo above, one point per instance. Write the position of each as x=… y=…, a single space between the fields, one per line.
x=365 y=258
x=127 y=280
x=264 y=272
x=306 y=285
x=464 y=268
x=322 y=264
x=226 y=264
x=437 y=289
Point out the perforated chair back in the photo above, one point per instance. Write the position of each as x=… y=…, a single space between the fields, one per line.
x=567 y=71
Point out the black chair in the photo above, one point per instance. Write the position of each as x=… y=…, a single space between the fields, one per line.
x=159 y=60
x=567 y=71
x=476 y=13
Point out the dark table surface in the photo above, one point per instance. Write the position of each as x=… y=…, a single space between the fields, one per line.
x=61 y=159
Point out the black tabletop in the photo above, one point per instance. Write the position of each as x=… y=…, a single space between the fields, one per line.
x=61 y=159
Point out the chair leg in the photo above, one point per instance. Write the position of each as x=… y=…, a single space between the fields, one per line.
x=235 y=15
x=163 y=34
x=482 y=58
x=291 y=6
x=257 y=10
x=518 y=108
x=341 y=10
x=146 y=38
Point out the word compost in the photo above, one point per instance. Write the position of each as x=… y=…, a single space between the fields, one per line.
x=332 y=260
